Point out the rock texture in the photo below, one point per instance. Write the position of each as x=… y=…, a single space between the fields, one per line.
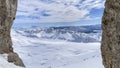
x=14 y=58
x=7 y=14
x=8 y=10
x=111 y=34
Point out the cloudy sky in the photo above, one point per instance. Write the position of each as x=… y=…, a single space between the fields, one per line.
x=59 y=12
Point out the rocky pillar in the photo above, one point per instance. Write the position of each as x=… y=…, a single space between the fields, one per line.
x=8 y=10
x=111 y=34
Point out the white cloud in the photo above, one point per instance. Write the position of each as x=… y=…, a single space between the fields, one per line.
x=56 y=10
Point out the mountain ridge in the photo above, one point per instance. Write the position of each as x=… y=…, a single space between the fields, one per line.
x=91 y=33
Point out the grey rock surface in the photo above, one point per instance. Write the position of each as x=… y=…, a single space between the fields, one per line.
x=111 y=34
x=8 y=10
x=14 y=58
x=7 y=14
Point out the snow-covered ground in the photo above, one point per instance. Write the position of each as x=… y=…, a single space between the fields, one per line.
x=50 y=53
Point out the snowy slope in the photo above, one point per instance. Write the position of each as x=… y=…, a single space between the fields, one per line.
x=55 y=53
x=90 y=63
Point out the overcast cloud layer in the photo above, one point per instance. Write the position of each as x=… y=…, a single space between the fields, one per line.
x=30 y=11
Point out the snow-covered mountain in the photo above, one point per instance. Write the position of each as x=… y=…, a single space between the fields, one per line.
x=42 y=47
x=69 y=33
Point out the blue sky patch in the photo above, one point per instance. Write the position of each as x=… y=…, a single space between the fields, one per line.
x=60 y=12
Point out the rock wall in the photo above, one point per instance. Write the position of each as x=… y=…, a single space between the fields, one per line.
x=111 y=34
x=8 y=10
